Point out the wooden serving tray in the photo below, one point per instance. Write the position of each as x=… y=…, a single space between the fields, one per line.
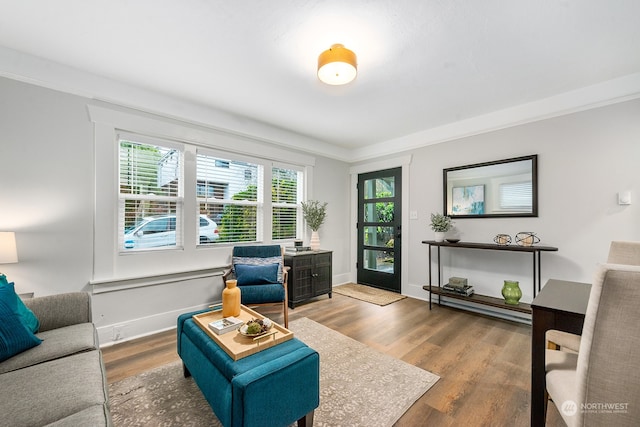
x=237 y=345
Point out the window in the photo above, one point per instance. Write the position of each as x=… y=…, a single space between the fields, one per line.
x=150 y=196
x=229 y=192
x=286 y=195
x=516 y=196
x=142 y=178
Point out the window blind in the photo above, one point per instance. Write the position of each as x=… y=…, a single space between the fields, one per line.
x=516 y=196
x=286 y=195
x=150 y=186
x=230 y=193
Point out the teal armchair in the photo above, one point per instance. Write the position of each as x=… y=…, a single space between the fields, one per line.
x=261 y=276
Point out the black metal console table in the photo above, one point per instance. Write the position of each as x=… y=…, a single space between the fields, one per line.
x=535 y=250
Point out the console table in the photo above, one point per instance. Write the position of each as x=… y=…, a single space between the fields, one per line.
x=534 y=250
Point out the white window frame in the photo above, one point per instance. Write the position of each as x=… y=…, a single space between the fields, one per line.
x=113 y=270
x=298 y=205
x=259 y=203
x=178 y=199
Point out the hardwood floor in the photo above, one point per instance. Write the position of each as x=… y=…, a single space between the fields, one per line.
x=484 y=363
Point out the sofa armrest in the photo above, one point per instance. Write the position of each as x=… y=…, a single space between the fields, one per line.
x=57 y=311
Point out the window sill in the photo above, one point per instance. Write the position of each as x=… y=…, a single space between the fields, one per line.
x=122 y=283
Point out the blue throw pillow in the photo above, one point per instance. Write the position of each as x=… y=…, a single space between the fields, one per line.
x=14 y=335
x=26 y=316
x=261 y=261
x=248 y=274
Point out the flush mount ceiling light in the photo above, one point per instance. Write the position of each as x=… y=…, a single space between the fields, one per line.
x=337 y=65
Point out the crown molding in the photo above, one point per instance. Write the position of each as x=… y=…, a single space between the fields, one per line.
x=610 y=92
x=41 y=72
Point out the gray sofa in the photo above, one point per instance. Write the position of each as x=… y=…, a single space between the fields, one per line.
x=62 y=381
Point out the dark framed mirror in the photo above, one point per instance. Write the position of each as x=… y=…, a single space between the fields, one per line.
x=502 y=188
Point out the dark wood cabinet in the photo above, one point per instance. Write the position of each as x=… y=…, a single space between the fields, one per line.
x=310 y=275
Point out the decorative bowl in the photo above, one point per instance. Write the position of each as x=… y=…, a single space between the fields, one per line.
x=266 y=326
x=452 y=240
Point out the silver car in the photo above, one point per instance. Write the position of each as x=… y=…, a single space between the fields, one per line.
x=152 y=232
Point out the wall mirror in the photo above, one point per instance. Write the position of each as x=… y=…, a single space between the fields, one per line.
x=503 y=188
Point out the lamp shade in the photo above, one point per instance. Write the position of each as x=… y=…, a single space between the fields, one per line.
x=8 y=249
x=337 y=65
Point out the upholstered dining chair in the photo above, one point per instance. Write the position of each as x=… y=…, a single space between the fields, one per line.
x=600 y=385
x=261 y=276
x=620 y=252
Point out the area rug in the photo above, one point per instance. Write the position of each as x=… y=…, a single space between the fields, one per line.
x=368 y=294
x=358 y=387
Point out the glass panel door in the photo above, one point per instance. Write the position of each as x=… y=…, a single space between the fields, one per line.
x=379 y=227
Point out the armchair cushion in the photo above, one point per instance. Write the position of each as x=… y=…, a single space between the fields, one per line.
x=258 y=294
x=248 y=274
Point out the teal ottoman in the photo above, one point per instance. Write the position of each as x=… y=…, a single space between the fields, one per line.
x=274 y=387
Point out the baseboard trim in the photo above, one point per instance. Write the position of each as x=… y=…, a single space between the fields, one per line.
x=117 y=333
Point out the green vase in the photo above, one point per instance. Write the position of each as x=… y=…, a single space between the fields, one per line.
x=511 y=292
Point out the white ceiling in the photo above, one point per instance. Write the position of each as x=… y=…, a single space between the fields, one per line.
x=428 y=68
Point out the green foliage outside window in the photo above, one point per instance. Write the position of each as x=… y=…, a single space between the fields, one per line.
x=239 y=223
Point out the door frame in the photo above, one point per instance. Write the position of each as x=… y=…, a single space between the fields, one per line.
x=403 y=162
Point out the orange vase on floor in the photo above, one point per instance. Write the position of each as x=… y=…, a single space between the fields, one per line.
x=231 y=299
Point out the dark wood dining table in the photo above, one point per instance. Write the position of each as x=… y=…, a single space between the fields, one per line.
x=560 y=305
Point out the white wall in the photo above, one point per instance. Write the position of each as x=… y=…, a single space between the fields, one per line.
x=48 y=188
x=48 y=180
x=584 y=160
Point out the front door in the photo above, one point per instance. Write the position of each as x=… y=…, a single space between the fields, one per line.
x=379 y=228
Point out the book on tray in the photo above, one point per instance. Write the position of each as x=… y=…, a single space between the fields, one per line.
x=224 y=325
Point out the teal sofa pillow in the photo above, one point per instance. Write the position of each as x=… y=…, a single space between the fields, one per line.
x=14 y=335
x=248 y=274
x=26 y=316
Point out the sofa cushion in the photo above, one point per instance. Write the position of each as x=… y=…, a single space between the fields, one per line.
x=26 y=316
x=96 y=415
x=15 y=337
x=52 y=391
x=57 y=343
x=248 y=274
x=57 y=311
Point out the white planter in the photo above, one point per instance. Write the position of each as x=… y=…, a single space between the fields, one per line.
x=315 y=241
x=439 y=236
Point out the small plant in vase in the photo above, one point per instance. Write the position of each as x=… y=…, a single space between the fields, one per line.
x=314 y=214
x=440 y=224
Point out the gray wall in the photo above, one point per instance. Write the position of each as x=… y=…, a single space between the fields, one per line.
x=584 y=160
x=48 y=191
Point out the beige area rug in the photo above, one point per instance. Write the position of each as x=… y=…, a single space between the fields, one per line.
x=368 y=294
x=358 y=387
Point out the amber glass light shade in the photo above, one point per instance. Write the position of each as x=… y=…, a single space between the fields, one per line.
x=337 y=65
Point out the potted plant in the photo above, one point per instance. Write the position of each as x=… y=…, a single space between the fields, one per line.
x=440 y=224
x=314 y=214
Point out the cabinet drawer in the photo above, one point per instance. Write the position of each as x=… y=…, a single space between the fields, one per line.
x=323 y=259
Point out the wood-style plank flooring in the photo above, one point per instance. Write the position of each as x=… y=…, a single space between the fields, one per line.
x=484 y=363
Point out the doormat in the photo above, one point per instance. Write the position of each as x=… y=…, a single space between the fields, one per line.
x=368 y=294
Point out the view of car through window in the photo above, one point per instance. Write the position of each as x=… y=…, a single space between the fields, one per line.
x=152 y=232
